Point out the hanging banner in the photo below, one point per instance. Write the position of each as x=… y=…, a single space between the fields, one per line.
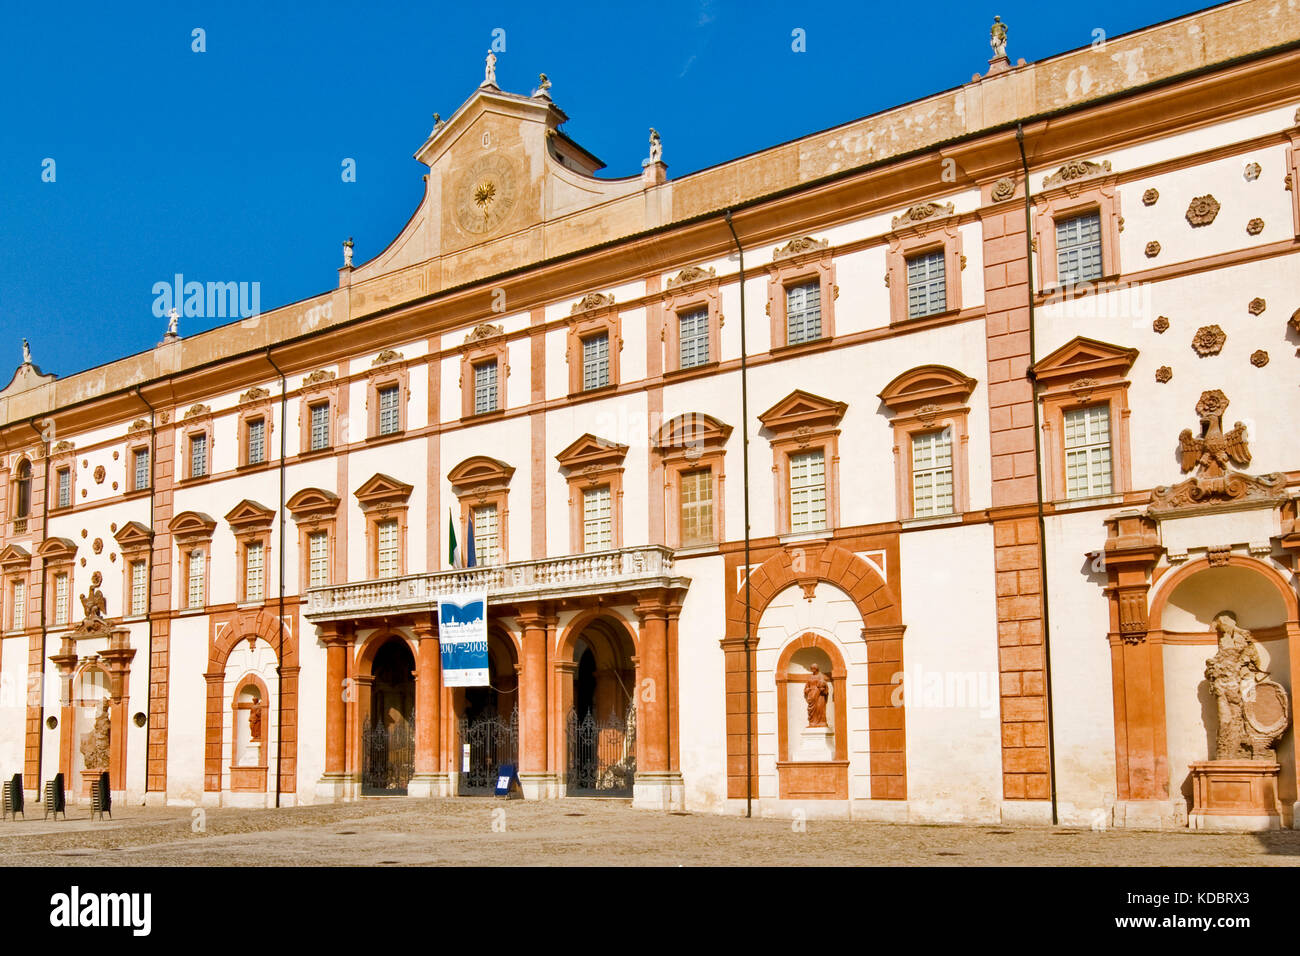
x=462 y=635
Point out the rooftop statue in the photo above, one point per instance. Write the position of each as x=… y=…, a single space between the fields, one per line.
x=998 y=38
x=490 y=70
x=656 y=146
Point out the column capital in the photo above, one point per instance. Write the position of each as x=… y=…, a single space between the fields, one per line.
x=535 y=615
x=337 y=633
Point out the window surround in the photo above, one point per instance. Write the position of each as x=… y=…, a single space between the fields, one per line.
x=1293 y=174
x=255 y=404
x=135 y=541
x=190 y=530
x=15 y=565
x=1080 y=373
x=589 y=463
x=318 y=387
x=389 y=368
x=798 y=261
x=926 y=227
x=592 y=314
x=799 y=423
x=925 y=399
x=134 y=446
x=312 y=510
x=1066 y=198
x=486 y=343
x=59 y=556
x=686 y=443
x=197 y=421
x=480 y=481
x=690 y=290
x=15 y=492
x=63 y=457
x=250 y=522
x=381 y=498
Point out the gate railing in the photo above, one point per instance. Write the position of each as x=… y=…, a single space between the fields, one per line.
x=493 y=741
x=387 y=755
x=601 y=754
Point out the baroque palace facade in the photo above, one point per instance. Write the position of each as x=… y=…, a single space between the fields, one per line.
x=972 y=513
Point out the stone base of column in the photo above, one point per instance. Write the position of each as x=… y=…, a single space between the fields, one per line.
x=1027 y=812
x=429 y=785
x=1235 y=795
x=539 y=786
x=336 y=788
x=659 y=790
x=1149 y=814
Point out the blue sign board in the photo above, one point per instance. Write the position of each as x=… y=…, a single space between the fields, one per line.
x=462 y=636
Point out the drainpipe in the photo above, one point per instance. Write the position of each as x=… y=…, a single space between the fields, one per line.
x=279 y=670
x=45 y=530
x=148 y=603
x=744 y=445
x=1038 y=483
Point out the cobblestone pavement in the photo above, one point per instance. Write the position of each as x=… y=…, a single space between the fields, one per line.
x=400 y=832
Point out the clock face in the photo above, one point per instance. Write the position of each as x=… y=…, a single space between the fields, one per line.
x=485 y=194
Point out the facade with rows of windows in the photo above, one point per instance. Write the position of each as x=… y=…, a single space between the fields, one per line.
x=971 y=535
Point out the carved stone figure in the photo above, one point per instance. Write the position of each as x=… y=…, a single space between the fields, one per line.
x=656 y=146
x=95 y=745
x=438 y=123
x=1253 y=711
x=998 y=38
x=815 y=693
x=490 y=70
x=173 y=322
x=255 y=721
x=27 y=353
x=543 y=87
x=94 y=605
x=347 y=252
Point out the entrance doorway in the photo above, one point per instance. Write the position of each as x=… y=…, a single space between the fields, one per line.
x=600 y=728
x=489 y=721
x=388 y=735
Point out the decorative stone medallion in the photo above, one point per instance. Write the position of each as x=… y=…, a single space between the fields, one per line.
x=1161 y=324
x=1259 y=358
x=1153 y=249
x=97 y=545
x=1255 y=227
x=1202 y=210
x=1257 y=306
x=1163 y=374
x=1209 y=340
x=99 y=474
x=1150 y=196
x=1251 y=172
x=1003 y=189
x=1294 y=322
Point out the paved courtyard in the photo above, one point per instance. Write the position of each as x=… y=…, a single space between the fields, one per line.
x=400 y=832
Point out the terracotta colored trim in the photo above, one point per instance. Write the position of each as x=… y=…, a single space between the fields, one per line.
x=817 y=264
x=1075 y=199
x=479 y=352
x=837 y=676
x=379 y=378
x=941 y=233
x=583 y=325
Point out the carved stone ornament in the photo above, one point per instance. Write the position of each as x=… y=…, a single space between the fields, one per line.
x=1083 y=388
x=1163 y=374
x=62 y=446
x=256 y=393
x=1209 y=340
x=1259 y=358
x=1257 y=306
x=98 y=545
x=1251 y=172
x=1003 y=189
x=1073 y=171
x=1150 y=196
x=139 y=425
x=1161 y=324
x=1254 y=712
x=1218 y=555
x=1255 y=227
x=386 y=357
x=1153 y=249
x=194 y=411
x=484 y=331
x=1202 y=210
x=592 y=301
x=1210 y=455
x=95 y=745
x=692 y=274
x=318 y=376
x=927 y=414
x=99 y=474
x=1294 y=322
x=94 y=605
x=797 y=247
x=921 y=212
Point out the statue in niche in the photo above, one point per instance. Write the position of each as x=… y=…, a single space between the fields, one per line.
x=998 y=38
x=94 y=745
x=255 y=721
x=816 y=691
x=1253 y=710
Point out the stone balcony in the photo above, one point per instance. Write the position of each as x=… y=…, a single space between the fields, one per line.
x=549 y=579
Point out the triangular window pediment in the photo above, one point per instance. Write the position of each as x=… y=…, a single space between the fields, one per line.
x=381 y=488
x=249 y=514
x=1082 y=355
x=13 y=556
x=802 y=408
x=590 y=450
x=133 y=536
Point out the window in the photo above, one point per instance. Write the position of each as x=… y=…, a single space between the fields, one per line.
x=808 y=491
x=194 y=573
x=61 y=598
x=597 y=531
x=18 y=609
x=1087 y=451
x=320 y=426
x=387 y=549
x=318 y=572
x=139 y=587
x=696 y=496
x=23 y=493
x=256 y=441
x=141 y=456
x=803 y=312
x=932 y=474
x=198 y=455
x=253 y=576
x=65 y=487
x=388 y=417
x=485 y=387
x=595 y=361
x=487 y=535
x=1078 y=248
x=693 y=338
x=926 y=284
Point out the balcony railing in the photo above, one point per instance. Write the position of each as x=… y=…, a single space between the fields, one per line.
x=602 y=572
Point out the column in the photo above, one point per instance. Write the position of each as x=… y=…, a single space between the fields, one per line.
x=657 y=787
x=429 y=779
x=335 y=785
x=535 y=776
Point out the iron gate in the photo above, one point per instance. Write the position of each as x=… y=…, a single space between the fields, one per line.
x=602 y=755
x=487 y=743
x=388 y=756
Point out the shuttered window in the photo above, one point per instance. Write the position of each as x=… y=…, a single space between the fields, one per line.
x=388 y=417
x=487 y=535
x=254 y=554
x=320 y=426
x=485 y=387
x=318 y=559
x=139 y=587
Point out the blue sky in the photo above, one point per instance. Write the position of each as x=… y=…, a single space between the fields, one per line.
x=225 y=165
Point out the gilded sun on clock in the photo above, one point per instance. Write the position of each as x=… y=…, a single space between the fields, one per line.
x=485 y=194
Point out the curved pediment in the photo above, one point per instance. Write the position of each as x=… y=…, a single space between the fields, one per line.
x=192 y=524
x=57 y=549
x=692 y=429
x=590 y=450
x=480 y=470
x=311 y=501
x=927 y=384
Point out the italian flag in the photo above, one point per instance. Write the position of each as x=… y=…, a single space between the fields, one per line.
x=453 y=551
